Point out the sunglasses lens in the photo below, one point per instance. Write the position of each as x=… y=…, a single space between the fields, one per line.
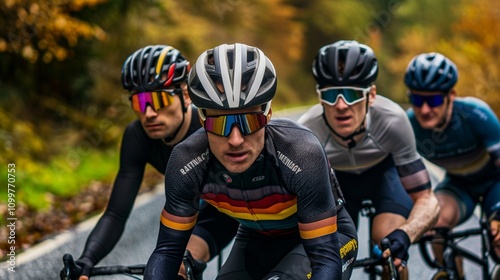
x=247 y=123
x=350 y=95
x=416 y=100
x=156 y=99
x=431 y=100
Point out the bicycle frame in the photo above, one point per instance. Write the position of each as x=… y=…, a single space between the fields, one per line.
x=452 y=248
x=371 y=264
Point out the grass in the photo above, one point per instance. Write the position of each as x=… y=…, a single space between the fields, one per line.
x=37 y=183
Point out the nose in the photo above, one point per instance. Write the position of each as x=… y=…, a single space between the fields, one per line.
x=341 y=104
x=235 y=138
x=425 y=108
x=150 y=112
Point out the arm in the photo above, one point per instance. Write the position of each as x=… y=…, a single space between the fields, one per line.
x=487 y=125
x=111 y=225
x=180 y=212
x=423 y=215
x=425 y=211
x=173 y=237
x=414 y=177
x=316 y=205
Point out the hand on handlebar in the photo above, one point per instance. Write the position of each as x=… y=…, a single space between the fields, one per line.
x=76 y=270
x=400 y=242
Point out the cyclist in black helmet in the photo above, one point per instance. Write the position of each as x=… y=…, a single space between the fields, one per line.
x=155 y=76
x=270 y=175
x=369 y=142
x=460 y=134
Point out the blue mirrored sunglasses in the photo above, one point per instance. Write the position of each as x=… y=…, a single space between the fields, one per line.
x=351 y=95
x=431 y=100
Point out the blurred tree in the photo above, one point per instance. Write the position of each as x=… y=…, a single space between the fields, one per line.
x=476 y=51
x=44 y=50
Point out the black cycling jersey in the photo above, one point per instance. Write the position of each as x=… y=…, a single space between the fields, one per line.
x=137 y=149
x=286 y=192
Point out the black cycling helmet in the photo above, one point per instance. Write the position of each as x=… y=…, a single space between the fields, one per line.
x=154 y=67
x=345 y=63
x=431 y=72
x=245 y=74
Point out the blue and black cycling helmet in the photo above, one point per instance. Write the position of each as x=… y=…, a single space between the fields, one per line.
x=345 y=63
x=431 y=72
x=234 y=76
x=154 y=67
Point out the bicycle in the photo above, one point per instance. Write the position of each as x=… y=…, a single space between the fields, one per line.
x=194 y=269
x=450 y=239
x=372 y=265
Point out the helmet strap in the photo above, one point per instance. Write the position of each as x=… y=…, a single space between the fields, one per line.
x=444 y=119
x=361 y=129
x=169 y=139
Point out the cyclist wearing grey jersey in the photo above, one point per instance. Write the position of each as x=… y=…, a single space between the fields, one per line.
x=370 y=146
x=462 y=135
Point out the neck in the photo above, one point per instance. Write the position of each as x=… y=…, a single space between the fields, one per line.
x=181 y=131
x=445 y=120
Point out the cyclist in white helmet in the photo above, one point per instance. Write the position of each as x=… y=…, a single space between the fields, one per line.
x=272 y=176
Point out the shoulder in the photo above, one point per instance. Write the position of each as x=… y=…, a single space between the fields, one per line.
x=313 y=119
x=292 y=136
x=386 y=114
x=312 y=114
x=196 y=141
x=135 y=132
x=473 y=109
x=385 y=107
x=470 y=104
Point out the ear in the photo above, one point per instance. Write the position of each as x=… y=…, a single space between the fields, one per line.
x=372 y=94
x=185 y=95
x=452 y=94
x=270 y=114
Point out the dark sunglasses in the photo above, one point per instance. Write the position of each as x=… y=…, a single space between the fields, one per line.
x=247 y=123
x=431 y=100
x=351 y=95
x=155 y=99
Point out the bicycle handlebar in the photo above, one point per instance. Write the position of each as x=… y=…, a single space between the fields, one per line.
x=393 y=273
x=379 y=260
x=72 y=270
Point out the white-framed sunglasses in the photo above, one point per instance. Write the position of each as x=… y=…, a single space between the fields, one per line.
x=351 y=95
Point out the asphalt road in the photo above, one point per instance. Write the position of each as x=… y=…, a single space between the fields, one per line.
x=44 y=261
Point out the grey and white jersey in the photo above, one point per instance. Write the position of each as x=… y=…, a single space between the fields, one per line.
x=388 y=132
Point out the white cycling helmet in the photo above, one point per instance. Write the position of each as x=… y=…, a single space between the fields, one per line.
x=232 y=76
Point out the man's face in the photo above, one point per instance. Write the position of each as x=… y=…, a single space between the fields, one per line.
x=345 y=119
x=428 y=113
x=236 y=152
x=163 y=122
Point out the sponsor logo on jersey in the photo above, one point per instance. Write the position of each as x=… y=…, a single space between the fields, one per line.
x=289 y=163
x=193 y=163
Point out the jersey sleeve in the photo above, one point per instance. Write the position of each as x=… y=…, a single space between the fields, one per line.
x=402 y=145
x=487 y=125
x=306 y=171
x=111 y=225
x=184 y=177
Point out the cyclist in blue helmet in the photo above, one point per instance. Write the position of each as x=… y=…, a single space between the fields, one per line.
x=459 y=134
x=370 y=145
